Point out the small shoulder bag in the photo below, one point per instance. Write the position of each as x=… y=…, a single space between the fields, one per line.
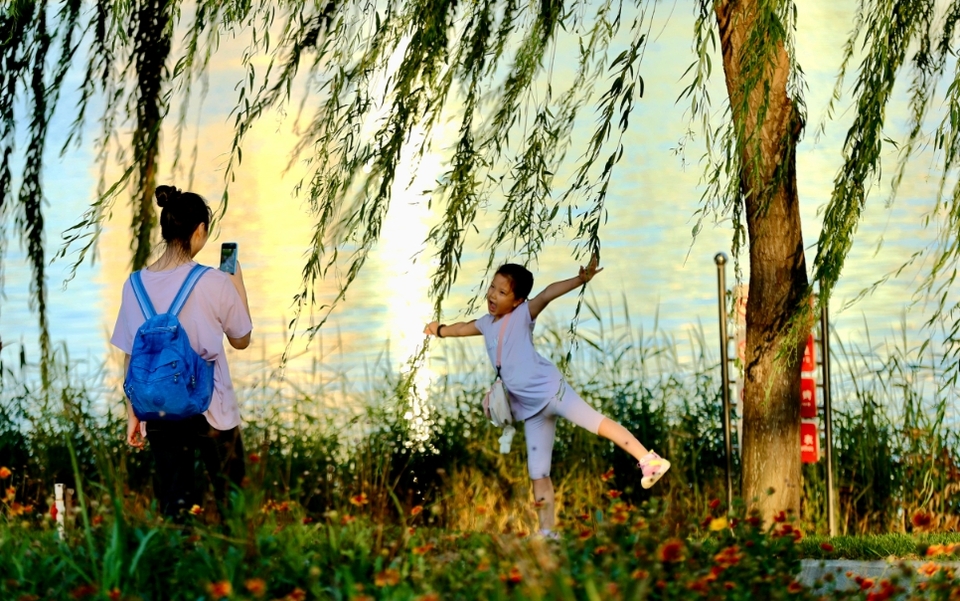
x=497 y=400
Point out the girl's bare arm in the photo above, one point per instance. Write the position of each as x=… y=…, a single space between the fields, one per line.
x=461 y=328
x=540 y=301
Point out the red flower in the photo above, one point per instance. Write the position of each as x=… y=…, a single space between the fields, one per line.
x=360 y=499
x=83 y=591
x=5 y=473
x=53 y=512
x=97 y=520
x=423 y=550
x=794 y=587
x=921 y=519
x=827 y=547
x=514 y=577
x=672 y=551
x=614 y=494
x=253 y=458
x=780 y=517
x=714 y=503
x=607 y=475
x=416 y=510
x=114 y=594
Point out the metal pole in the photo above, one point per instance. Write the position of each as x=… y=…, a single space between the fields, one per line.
x=721 y=260
x=827 y=414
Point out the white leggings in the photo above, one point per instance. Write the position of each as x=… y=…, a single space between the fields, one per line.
x=541 y=429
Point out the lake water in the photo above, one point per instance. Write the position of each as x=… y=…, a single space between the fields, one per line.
x=651 y=262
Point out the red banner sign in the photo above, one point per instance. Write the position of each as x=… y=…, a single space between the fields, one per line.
x=808 y=396
x=809 y=442
x=809 y=357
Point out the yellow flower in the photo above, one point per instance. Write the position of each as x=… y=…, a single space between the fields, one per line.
x=717 y=524
x=195 y=510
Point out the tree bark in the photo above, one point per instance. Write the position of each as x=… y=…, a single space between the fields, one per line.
x=768 y=127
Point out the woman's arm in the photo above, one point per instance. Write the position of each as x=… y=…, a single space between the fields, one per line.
x=237 y=280
x=540 y=301
x=135 y=432
x=461 y=328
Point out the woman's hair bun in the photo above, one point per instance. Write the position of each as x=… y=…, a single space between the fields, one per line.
x=166 y=195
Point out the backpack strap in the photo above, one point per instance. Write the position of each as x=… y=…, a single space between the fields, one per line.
x=503 y=328
x=143 y=299
x=192 y=278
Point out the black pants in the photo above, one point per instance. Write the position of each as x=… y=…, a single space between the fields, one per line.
x=175 y=444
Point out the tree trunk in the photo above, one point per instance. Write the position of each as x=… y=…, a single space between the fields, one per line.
x=768 y=126
x=153 y=37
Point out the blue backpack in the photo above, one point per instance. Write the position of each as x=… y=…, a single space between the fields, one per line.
x=167 y=379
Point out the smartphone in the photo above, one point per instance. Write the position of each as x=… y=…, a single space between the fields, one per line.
x=228 y=257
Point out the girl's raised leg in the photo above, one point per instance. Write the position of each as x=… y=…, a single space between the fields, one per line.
x=544 y=497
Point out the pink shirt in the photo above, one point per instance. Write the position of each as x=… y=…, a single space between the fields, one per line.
x=213 y=309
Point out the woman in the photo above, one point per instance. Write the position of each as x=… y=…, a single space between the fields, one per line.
x=217 y=306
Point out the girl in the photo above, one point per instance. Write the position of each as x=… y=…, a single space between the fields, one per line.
x=217 y=306
x=538 y=393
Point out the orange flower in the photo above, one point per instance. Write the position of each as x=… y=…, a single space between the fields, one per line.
x=221 y=589
x=614 y=494
x=514 y=577
x=827 y=547
x=672 y=551
x=297 y=594
x=347 y=519
x=640 y=574
x=585 y=534
x=11 y=494
x=921 y=519
x=600 y=550
x=481 y=510
x=794 y=587
x=484 y=565
x=255 y=586
x=728 y=557
x=612 y=589
x=5 y=473
x=423 y=550
x=360 y=499
x=928 y=569
x=196 y=510
x=607 y=475
x=97 y=520
x=416 y=510
x=388 y=577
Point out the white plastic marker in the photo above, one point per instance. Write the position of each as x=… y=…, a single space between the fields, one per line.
x=61 y=510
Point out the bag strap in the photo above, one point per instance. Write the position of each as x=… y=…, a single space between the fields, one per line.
x=188 y=284
x=143 y=299
x=503 y=328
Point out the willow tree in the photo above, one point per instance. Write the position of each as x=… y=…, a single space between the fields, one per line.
x=381 y=76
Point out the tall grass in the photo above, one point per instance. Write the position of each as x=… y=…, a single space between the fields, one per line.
x=318 y=439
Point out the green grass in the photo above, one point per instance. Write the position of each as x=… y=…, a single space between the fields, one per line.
x=896 y=545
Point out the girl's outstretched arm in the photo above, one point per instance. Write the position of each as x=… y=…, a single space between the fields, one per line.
x=461 y=328
x=540 y=301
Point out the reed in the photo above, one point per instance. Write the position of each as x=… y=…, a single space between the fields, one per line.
x=317 y=438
